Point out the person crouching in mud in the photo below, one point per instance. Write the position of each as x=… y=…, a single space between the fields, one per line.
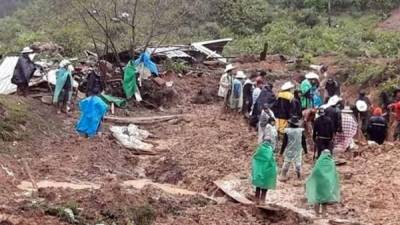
x=322 y=186
x=264 y=169
x=63 y=92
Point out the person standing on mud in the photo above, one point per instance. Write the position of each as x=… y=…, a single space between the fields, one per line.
x=95 y=82
x=307 y=87
x=63 y=91
x=248 y=89
x=236 y=98
x=226 y=81
x=294 y=142
x=267 y=96
x=344 y=139
x=361 y=110
x=395 y=107
x=266 y=127
x=333 y=111
x=322 y=186
x=323 y=134
x=23 y=72
x=264 y=169
x=377 y=127
x=332 y=88
x=283 y=106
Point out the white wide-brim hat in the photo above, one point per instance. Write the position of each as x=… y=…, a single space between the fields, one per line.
x=312 y=75
x=334 y=100
x=286 y=86
x=229 y=67
x=240 y=75
x=26 y=50
x=361 y=106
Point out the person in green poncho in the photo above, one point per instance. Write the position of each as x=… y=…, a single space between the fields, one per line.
x=130 y=80
x=322 y=186
x=264 y=169
x=63 y=91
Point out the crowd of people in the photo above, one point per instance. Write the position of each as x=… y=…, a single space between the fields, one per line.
x=309 y=112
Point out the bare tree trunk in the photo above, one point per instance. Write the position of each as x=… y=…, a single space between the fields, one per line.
x=329 y=13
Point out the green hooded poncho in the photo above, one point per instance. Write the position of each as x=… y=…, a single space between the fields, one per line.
x=264 y=169
x=322 y=186
x=129 y=84
x=305 y=88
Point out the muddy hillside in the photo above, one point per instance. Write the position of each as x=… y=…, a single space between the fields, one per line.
x=51 y=175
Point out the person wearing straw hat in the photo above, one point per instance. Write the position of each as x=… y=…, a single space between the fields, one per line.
x=323 y=133
x=344 y=139
x=332 y=110
x=283 y=106
x=293 y=145
x=236 y=98
x=361 y=110
x=377 y=127
x=226 y=81
x=307 y=87
x=63 y=91
x=23 y=72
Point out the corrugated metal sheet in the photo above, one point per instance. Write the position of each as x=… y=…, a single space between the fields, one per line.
x=6 y=73
x=203 y=48
x=169 y=52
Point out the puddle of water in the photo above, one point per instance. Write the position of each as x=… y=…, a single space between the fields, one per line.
x=27 y=186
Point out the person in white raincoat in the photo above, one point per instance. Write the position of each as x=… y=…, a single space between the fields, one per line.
x=267 y=132
x=225 y=81
x=236 y=97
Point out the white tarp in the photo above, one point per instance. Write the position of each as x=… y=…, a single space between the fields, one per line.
x=6 y=73
x=131 y=137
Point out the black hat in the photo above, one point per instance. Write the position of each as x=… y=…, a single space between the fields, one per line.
x=294 y=121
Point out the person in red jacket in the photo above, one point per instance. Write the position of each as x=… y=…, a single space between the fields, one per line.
x=395 y=107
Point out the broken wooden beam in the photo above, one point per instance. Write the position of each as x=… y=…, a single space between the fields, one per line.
x=143 y=120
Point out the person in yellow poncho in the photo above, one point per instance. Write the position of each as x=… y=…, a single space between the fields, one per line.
x=283 y=106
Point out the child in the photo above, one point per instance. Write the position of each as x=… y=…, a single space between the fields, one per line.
x=264 y=170
x=322 y=186
x=294 y=142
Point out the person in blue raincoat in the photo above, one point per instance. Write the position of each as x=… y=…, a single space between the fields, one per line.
x=92 y=111
x=63 y=91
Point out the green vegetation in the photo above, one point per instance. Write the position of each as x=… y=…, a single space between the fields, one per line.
x=13 y=117
x=143 y=215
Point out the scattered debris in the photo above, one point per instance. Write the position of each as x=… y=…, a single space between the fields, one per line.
x=131 y=137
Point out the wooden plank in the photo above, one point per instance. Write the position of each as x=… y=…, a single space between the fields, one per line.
x=143 y=120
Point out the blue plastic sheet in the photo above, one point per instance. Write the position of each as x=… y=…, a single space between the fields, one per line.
x=146 y=60
x=92 y=109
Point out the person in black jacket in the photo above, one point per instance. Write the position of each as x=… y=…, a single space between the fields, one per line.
x=267 y=97
x=248 y=94
x=23 y=72
x=332 y=88
x=333 y=111
x=95 y=83
x=323 y=134
x=377 y=127
x=296 y=105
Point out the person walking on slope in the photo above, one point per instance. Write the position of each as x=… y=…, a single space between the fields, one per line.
x=395 y=107
x=23 y=72
x=267 y=96
x=322 y=186
x=267 y=132
x=307 y=87
x=361 y=110
x=63 y=91
x=333 y=111
x=283 y=106
x=264 y=170
x=344 y=139
x=377 y=127
x=294 y=142
x=323 y=134
x=332 y=88
x=226 y=81
x=248 y=89
x=236 y=98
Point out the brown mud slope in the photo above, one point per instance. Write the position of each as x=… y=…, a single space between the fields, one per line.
x=392 y=23
x=191 y=154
